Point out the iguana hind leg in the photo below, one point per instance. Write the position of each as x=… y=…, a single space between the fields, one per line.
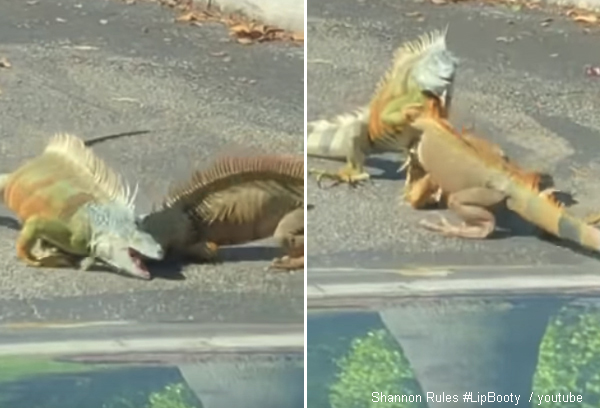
x=290 y=236
x=472 y=205
x=53 y=232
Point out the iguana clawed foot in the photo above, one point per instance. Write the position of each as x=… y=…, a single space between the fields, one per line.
x=55 y=260
x=443 y=226
x=287 y=263
x=448 y=229
x=352 y=178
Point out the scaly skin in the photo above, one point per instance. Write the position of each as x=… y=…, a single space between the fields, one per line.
x=478 y=181
x=71 y=202
x=420 y=189
x=423 y=72
x=236 y=200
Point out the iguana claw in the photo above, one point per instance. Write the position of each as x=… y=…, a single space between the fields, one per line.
x=443 y=226
x=287 y=263
x=353 y=180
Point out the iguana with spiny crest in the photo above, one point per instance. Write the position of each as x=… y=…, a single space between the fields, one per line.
x=234 y=201
x=422 y=72
x=72 y=203
x=476 y=181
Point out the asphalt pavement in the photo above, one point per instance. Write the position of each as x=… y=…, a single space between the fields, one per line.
x=99 y=67
x=521 y=82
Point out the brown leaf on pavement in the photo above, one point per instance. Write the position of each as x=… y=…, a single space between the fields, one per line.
x=4 y=63
x=582 y=17
x=592 y=71
x=243 y=29
x=298 y=36
x=590 y=18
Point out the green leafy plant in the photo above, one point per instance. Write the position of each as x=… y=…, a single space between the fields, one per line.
x=374 y=363
x=569 y=359
x=176 y=395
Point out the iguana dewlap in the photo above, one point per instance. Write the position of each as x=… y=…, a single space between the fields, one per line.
x=235 y=201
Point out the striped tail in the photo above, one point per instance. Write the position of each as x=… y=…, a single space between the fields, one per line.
x=551 y=217
x=333 y=138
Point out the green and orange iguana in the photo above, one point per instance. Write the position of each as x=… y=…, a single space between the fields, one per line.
x=476 y=181
x=236 y=200
x=422 y=71
x=72 y=203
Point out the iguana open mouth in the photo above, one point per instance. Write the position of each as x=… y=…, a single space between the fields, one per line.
x=136 y=257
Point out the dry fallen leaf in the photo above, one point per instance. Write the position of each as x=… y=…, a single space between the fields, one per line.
x=592 y=71
x=245 y=31
x=298 y=36
x=4 y=63
x=191 y=16
x=239 y=29
x=571 y=13
x=589 y=18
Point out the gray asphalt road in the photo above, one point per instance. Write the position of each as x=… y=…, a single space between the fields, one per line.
x=520 y=83
x=99 y=67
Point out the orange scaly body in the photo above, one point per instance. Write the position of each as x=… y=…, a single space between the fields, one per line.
x=478 y=180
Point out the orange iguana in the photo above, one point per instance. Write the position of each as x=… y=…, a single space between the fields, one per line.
x=475 y=181
x=422 y=72
x=72 y=203
x=236 y=200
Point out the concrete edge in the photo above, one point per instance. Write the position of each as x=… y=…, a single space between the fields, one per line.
x=212 y=345
x=328 y=293
x=591 y=5
x=285 y=14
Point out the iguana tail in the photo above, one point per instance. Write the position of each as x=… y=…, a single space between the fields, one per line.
x=332 y=138
x=547 y=214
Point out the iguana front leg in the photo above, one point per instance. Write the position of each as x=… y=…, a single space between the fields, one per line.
x=422 y=192
x=53 y=232
x=419 y=188
x=290 y=236
x=472 y=206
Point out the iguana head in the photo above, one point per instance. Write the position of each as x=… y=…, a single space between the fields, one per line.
x=118 y=241
x=435 y=67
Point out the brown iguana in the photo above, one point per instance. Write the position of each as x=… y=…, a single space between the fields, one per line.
x=421 y=191
x=423 y=71
x=72 y=202
x=236 y=200
x=477 y=181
